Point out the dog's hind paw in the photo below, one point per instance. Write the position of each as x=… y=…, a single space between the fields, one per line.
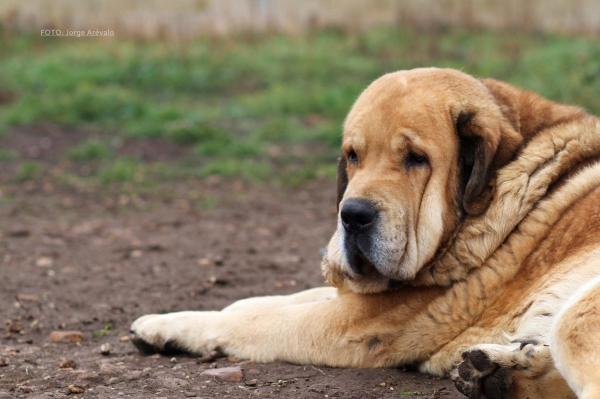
x=488 y=370
x=477 y=376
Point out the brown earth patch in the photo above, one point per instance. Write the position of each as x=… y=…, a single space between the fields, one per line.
x=92 y=261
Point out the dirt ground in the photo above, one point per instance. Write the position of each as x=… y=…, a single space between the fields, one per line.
x=94 y=262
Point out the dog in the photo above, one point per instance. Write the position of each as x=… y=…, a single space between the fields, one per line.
x=467 y=243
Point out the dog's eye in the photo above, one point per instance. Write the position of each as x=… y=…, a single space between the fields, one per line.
x=414 y=159
x=352 y=157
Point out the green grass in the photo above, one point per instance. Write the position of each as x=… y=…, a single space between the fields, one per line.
x=105 y=331
x=28 y=170
x=233 y=100
x=90 y=151
x=7 y=154
x=123 y=170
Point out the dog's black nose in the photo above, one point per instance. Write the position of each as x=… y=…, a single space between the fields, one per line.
x=357 y=214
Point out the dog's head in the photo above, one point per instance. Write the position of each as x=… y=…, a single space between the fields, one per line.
x=419 y=153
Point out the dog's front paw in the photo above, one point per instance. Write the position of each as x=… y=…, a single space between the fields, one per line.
x=171 y=333
x=149 y=335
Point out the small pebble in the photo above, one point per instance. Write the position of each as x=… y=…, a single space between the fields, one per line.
x=124 y=339
x=66 y=336
x=229 y=374
x=19 y=232
x=67 y=364
x=15 y=327
x=156 y=246
x=76 y=389
x=136 y=253
x=28 y=298
x=209 y=357
x=44 y=261
x=203 y=262
x=105 y=349
x=4 y=362
x=252 y=383
x=246 y=363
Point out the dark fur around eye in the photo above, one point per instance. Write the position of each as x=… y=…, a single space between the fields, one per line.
x=414 y=159
x=352 y=157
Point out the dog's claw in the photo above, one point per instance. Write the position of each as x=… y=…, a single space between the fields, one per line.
x=525 y=341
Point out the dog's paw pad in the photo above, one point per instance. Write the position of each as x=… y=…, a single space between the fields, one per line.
x=479 y=361
x=142 y=345
x=477 y=376
x=169 y=348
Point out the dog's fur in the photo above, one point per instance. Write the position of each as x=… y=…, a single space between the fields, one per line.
x=483 y=240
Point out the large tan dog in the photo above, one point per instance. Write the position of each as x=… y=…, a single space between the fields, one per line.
x=469 y=223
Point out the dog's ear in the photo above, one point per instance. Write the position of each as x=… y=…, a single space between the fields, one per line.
x=491 y=131
x=489 y=139
x=342 y=179
x=477 y=150
x=528 y=112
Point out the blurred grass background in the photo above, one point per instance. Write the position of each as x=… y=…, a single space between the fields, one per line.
x=258 y=105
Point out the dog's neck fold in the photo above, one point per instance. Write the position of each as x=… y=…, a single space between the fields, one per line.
x=519 y=195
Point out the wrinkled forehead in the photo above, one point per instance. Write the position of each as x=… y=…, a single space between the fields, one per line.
x=402 y=107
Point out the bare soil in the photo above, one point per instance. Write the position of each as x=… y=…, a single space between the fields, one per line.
x=93 y=262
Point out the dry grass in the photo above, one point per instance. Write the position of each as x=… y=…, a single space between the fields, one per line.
x=184 y=19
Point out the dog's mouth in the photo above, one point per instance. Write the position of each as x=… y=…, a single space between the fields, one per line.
x=357 y=249
x=364 y=268
x=360 y=264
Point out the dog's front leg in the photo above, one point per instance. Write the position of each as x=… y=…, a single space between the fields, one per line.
x=319 y=294
x=339 y=332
